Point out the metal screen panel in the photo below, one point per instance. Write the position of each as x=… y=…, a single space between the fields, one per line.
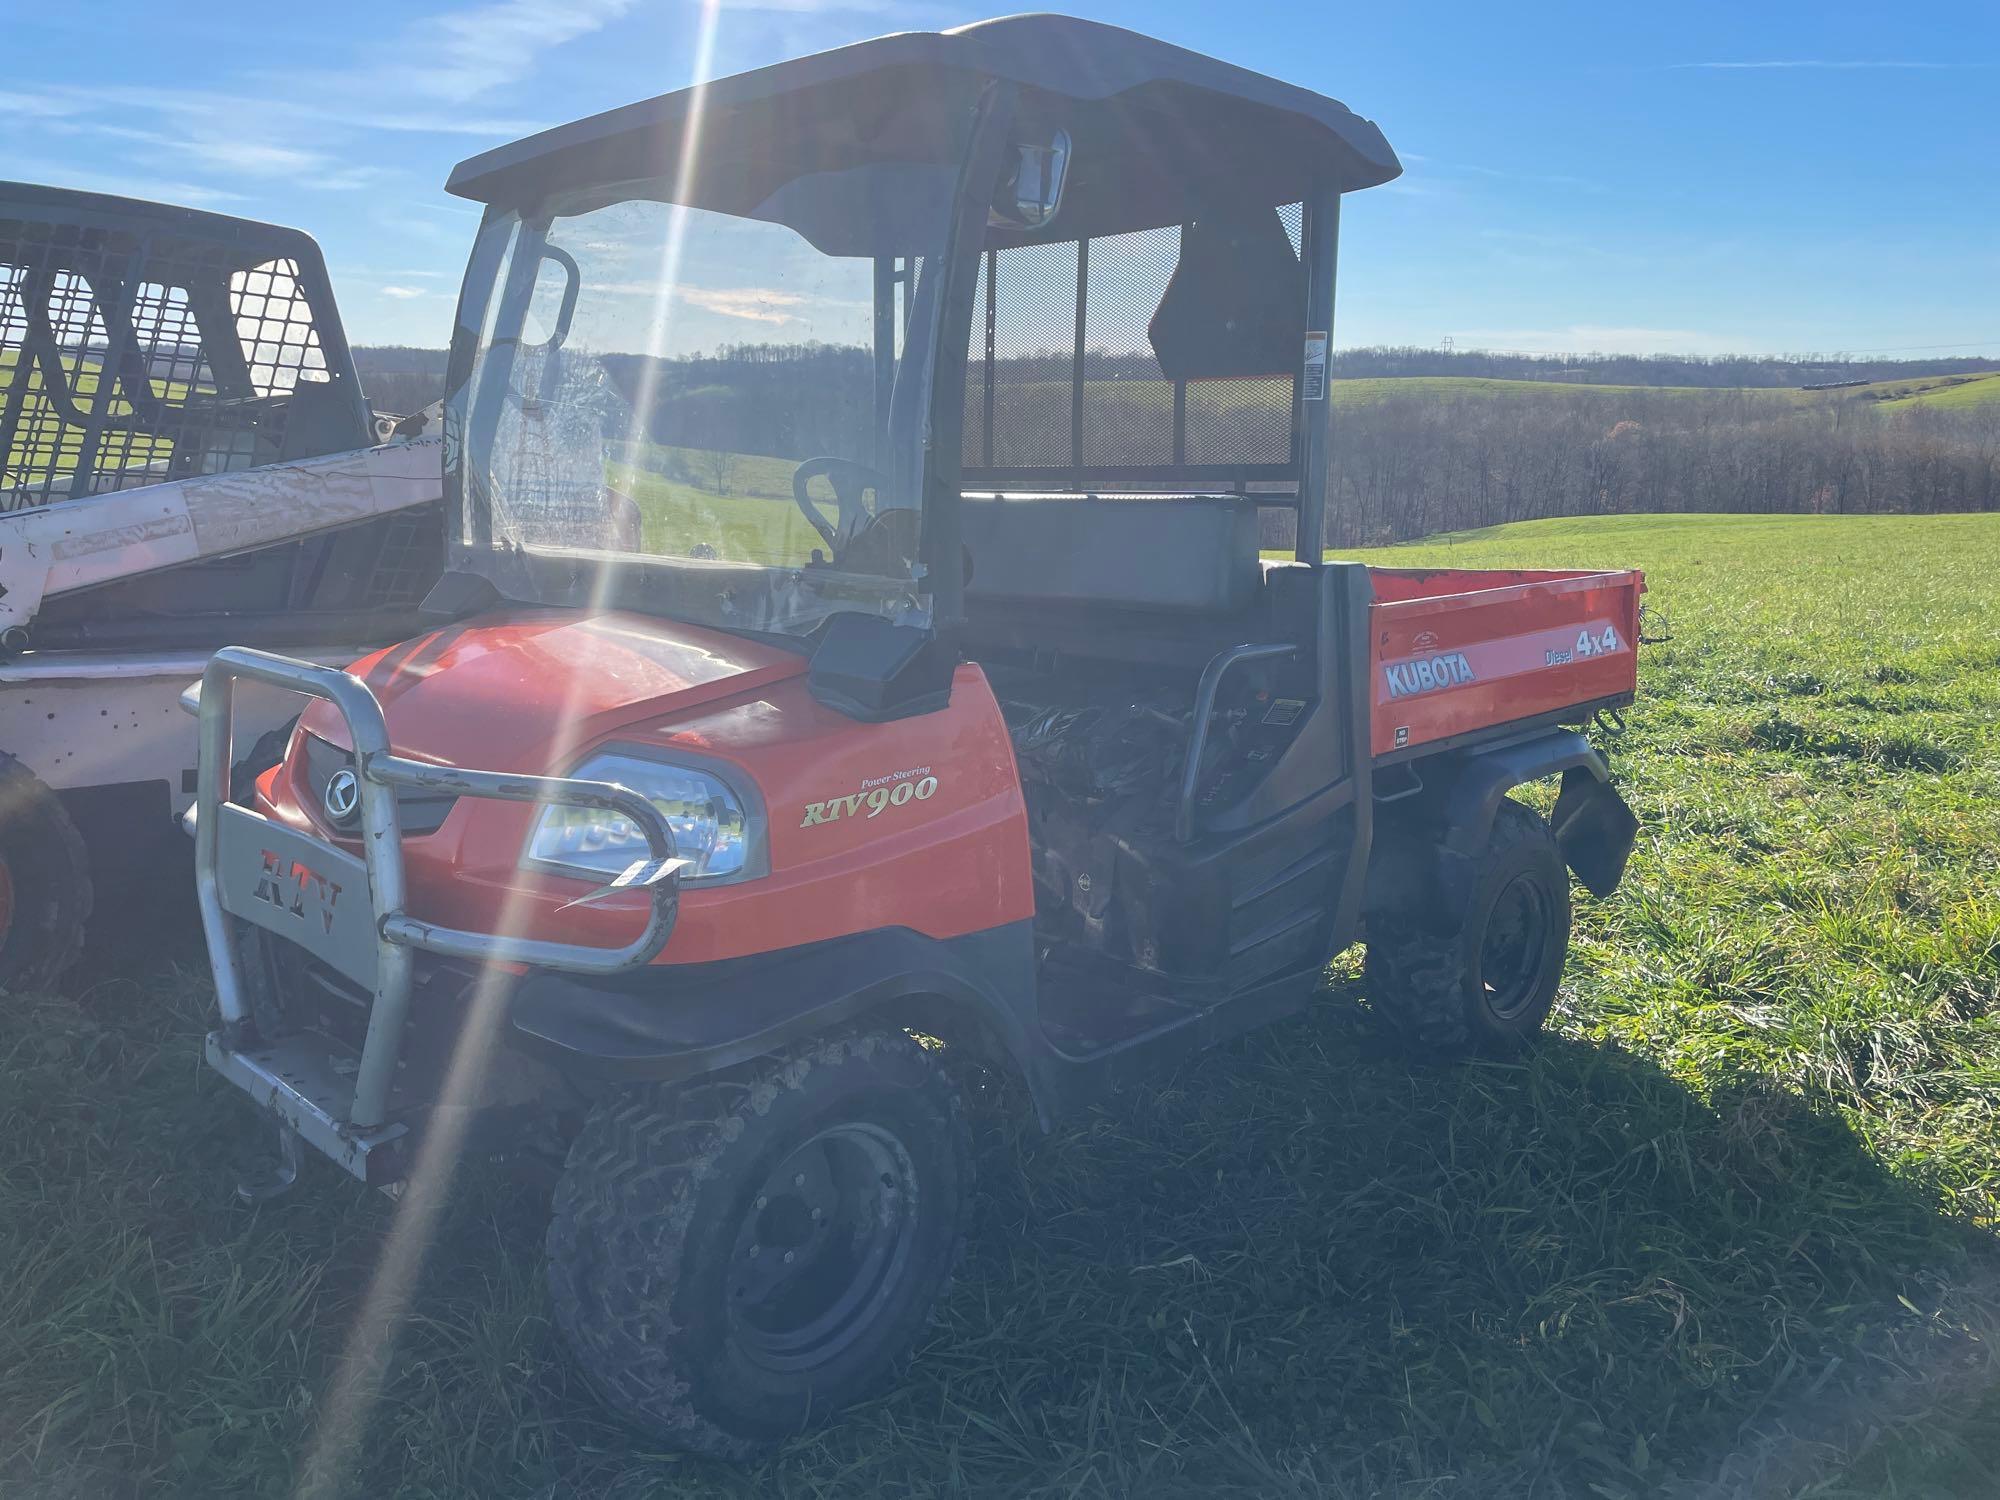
x=1032 y=291
x=276 y=327
x=1130 y=410
x=1063 y=386
x=130 y=357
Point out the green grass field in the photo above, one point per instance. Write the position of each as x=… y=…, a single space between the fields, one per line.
x=756 y=521
x=1942 y=390
x=1473 y=387
x=36 y=454
x=1927 y=390
x=1730 y=1231
x=1955 y=391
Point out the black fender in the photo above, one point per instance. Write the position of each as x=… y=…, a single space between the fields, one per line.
x=666 y=1022
x=1453 y=818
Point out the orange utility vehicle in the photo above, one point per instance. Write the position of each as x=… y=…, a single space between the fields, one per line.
x=856 y=657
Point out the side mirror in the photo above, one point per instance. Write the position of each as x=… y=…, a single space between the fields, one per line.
x=1031 y=189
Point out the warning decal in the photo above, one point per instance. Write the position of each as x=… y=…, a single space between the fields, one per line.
x=1312 y=383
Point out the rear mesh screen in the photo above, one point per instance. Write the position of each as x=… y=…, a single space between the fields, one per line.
x=1063 y=387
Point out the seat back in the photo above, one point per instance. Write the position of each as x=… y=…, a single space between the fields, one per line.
x=1193 y=555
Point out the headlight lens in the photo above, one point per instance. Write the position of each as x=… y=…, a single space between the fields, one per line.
x=706 y=817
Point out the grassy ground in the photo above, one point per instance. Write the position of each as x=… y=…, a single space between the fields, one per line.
x=743 y=527
x=1945 y=390
x=33 y=456
x=1474 y=387
x=1928 y=390
x=1730 y=1231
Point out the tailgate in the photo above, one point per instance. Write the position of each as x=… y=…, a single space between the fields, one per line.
x=1457 y=651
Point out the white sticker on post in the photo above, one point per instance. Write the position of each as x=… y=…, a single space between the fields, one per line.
x=1313 y=386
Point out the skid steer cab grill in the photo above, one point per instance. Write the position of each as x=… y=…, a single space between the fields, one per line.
x=347 y=916
x=133 y=354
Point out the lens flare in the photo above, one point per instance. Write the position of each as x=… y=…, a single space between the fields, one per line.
x=357 y=1379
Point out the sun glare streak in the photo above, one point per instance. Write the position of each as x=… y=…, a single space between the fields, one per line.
x=357 y=1380
x=685 y=172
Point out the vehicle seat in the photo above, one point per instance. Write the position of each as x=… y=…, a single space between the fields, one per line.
x=1184 y=555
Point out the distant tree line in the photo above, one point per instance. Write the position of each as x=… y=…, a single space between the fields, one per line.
x=1709 y=370
x=1410 y=466
x=1402 y=466
x=399 y=379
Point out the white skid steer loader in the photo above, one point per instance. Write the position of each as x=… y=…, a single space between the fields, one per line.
x=186 y=459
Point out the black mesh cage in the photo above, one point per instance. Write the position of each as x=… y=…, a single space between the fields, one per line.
x=1064 y=384
x=131 y=355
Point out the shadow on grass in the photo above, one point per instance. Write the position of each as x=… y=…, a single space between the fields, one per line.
x=1299 y=1266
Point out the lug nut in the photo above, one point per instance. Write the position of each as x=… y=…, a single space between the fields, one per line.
x=800 y=1180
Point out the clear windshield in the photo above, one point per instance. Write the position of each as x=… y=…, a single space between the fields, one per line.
x=702 y=413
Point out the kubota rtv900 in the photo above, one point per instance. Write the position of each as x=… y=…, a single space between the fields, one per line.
x=855 y=654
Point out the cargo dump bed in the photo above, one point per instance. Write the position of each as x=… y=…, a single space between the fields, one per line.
x=1457 y=652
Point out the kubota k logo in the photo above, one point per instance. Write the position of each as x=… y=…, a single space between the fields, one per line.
x=342 y=797
x=287 y=884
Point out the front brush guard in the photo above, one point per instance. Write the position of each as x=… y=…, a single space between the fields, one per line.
x=251 y=869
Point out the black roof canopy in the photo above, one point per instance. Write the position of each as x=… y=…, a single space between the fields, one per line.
x=1159 y=131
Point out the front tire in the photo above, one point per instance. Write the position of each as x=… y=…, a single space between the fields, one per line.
x=732 y=1259
x=1484 y=983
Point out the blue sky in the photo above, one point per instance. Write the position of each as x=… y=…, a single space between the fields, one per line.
x=1713 y=178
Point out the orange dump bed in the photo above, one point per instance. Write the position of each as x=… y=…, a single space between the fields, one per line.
x=1454 y=651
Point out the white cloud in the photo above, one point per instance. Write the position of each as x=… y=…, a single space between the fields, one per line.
x=456 y=57
x=403 y=293
x=44 y=106
x=252 y=158
x=754 y=304
x=152 y=189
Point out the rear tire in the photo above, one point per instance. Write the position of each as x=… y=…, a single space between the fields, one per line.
x=1484 y=984
x=733 y=1259
x=45 y=890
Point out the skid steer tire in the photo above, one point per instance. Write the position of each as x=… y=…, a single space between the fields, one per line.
x=733 y=1259
x=45 y=890
x=1484 y=985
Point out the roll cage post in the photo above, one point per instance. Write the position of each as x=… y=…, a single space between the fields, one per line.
x=940 y=453
x=1319 y=249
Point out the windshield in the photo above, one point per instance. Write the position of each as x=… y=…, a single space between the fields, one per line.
x=704 y=413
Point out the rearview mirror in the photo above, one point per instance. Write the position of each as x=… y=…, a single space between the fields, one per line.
x=1031 y=188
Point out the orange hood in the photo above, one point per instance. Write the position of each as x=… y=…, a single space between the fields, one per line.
x=528 y=692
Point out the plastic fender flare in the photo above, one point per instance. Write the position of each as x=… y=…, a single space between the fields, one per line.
x=675 y=1021
x=1591 y=821
x=1486 y=776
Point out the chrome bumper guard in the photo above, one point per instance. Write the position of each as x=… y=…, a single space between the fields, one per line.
x=349 y=913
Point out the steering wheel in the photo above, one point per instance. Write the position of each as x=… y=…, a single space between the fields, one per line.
x=849 y=481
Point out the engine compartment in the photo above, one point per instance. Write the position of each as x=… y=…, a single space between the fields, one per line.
x=1102 y=753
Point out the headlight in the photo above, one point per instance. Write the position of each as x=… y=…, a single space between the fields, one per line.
x=710 y=829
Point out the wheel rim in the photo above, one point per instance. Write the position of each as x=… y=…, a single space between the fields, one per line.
x=823 y=1244
x=1513 y=948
